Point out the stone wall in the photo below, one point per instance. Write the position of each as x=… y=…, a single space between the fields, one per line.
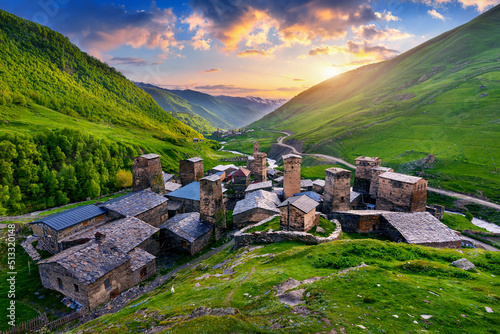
x=146 y=173
x=337 y=194
x=436 y=210
x=188 y=205
x=394 y=195
x=212 y=202
x=356 y=223
x=362 y=177
x=151 y=271
x=172 y=240
x=375 y=173
x=251 y=217
x=156 y=216
x=190 y=171
x=242 y=239
x=256 y=147
x=291 y=176
x=296 y=219
x=260 y=167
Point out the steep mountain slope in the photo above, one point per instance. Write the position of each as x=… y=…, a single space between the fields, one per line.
x=191 y=114
x=255 y=103
x=234 y=114
x=441 y=97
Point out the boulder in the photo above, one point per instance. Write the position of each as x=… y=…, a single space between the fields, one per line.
x=463 y=264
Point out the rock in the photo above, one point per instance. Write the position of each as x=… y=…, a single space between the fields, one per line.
x=415 y=322
x=292 y=298
x=319 y=229
x=276 y=325
x=361 y=326
x=426 y=301
x=395 y=316
x=197 y=285
x=217 y=312
x=463 y=264
x=41 y=297
x=302 y=310
x=426 y=316
x=488 y=309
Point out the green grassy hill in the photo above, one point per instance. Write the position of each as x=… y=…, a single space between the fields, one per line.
x=235 y=115
x=441 y=97
x=399 y=284
x=191 y=114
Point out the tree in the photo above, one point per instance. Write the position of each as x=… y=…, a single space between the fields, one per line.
x=123 y=178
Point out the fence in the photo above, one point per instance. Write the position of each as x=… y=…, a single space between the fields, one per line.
x=42 y=321
x=241 y=158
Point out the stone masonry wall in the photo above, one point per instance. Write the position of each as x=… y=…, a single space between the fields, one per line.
x=291 y=177
x=156 y=216
x=256 y=147
x=399 y=196
x=337 y=194
x=212 y=202
x=259 y=167
x=299 y=221
x=242 y=239
x=375 y=180
x=251 y=217
x=190 y=171
x=354 y=223
x=145 y=172
x=362 y=177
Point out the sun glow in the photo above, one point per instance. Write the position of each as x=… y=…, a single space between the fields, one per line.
x=327 y=71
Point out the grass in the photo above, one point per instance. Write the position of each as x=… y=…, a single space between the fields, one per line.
x=273 y=224
x=244 y=143
x=459 y=223
x=326 y=225
x=398 y=281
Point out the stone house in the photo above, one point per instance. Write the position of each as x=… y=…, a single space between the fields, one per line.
x=267 y=185
x=98 y=270
x=212 y=209
x=191 y=170
x=147 y=173
x=53 y=228
x=376 y=172
x=240 y=179
x=188 y=197
x=363 y=174
x=171 y=186
x=260 y=167
x=436 y=210
x=145 y=205
x=298 y=213
x=400 y=192
x=306 y=185
x=186 y=232
x=256 y=206
x=318 y=186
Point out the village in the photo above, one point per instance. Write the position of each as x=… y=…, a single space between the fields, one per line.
x=103 y=249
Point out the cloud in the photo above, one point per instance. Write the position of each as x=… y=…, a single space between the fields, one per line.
x=253 y=23
x=232 y=89
x=254 y=52
x=370 y=32
x=128 y=61
x=481 y=5
x=103 y=27
x=296 y=79
x=435 y=14
x=387 y=16
x=360 y=50
x=212 y=70
x=354 y=63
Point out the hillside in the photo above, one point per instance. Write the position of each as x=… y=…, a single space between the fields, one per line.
x=403 y=288
x=438 y=98
x=256 y=103
x=191 y=114
x=69 y=123
x=235 y=115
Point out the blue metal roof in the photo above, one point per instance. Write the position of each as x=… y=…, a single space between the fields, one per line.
x=310 y=194
x=68 y=218
x=190 y=191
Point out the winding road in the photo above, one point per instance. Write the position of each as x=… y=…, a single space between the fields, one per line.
x=341 y=161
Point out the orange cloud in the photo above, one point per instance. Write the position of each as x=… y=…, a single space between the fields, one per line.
x=212 y=70
x=360 y=50
x=370 y=32
x=254 y=52
x=387 y=16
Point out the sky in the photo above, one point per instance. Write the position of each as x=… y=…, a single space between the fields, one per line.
x=265 y=48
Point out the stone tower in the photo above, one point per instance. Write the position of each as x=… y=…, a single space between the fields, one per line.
x=376 y=172
x=256 y=147
x=337 y=195
x=211 y=201
x=291 y=180
x=363 y=176
x=147 y=173
x=260 y=167
x=191 y=170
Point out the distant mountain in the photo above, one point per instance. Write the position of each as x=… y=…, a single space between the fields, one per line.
x=191 y=114
x=234 y=114
x=441 y=97
x=255 y=103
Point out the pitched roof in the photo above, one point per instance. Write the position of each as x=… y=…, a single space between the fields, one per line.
x=270 y=196
x=353 y=195
x=190 y=191
x=303 y=203
x=279 y=179
x=135 y=203
x=89 y=261
x=70 y=217
x=362 y=158
x=254 y=203
x=240 y=172
x=172 y=186
x=385 y=169
x=400 y=177
x=149 y=156
x=195 y=159
x=223 y=168
x=420 y=227
x=319 y=182
x=310 y=194
x=291 y=156
x=126 y=233
x=306 y=183
x=167 y=177
x=139 y=258
x=187 y=226
x=259 y=185
x=212 y=178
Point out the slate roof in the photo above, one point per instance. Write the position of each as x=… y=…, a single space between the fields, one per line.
x=306 y=183
x=90 y=261
x=258 y=199
x=291 y=156
x=135 y=203
x=400 y=177
x=195 y=159
x=223 y=168
x=212 y=178
x=354 y=195
x=190 y=191
x=310 y=194
x=279 y=179
x=272 y=172
x=259 y=185
x=303 y=203
x=420 y=227
x=167 y=177
x=187 y=226
x=172 y=186
x=139 y=258
x=68 y=218
x=270 y=196
x=126 y=233
x=362 y=158
x=384 y=169
x=150 y=156
x=319 y=182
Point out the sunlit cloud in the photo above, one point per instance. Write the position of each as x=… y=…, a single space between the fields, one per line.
x=481 y=5
x=254 y=52
x=387 y=16
x=128 y=61
x=360 y=50
x=435 y=14
x=212 y=70
x=370 y=32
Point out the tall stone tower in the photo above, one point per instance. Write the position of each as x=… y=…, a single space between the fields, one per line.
x=291 y=180
x=147 y=173
x=211 y=201
x=337 y=195
x=191 y=170
x=376 y=172
x=256 y=147
x=260 y=167
x=363 y=176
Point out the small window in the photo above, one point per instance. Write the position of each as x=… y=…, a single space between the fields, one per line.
x=107 y=284
x=184 y=244
x=85 y=223
x=342 y=198
x=77 y=288
x=59 y=283
x=144 y=272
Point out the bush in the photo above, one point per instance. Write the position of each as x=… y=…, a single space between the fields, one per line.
x=123 y=178
x=469 y=216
